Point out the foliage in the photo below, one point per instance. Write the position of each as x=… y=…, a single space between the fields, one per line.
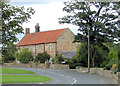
x=73 y=62
x=42 y=57
x=112 y=57
x=114 y=68
x=59 y=58
x=111 y=63
x=8 y=53
x=99 y=20
x=97 y=55
x=12 y=19
x=25 y=56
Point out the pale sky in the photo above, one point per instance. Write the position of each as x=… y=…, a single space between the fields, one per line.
x=47 y=14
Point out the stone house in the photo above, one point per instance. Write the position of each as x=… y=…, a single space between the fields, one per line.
x=53 y=42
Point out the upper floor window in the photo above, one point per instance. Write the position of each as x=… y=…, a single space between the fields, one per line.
x=50 y=46
x=40 y=48
x=33 y=49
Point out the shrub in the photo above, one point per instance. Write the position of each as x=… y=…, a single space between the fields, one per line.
x=114 y=68
x=59 y=58
x=111 y=62
x=73 y=62
x=8 y=54
x=42 y=57
x=98 y=54
x=25 y=56
x=111 y=55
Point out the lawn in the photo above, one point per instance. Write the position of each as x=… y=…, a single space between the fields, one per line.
x=14 y=71
x=23 y=78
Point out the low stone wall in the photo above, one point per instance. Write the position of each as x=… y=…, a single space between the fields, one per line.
x=33 y=65
x=101 y=72
x=59 y=66
x=19 y=65
x=82 y=69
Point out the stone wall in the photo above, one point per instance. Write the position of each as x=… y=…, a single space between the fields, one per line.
x=44 y=47
x=65 y=42
x=20 y=65
x=59 y=66
x=33 y=65
x=100 y=72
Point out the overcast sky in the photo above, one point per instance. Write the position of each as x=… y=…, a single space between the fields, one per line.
x=47 y=14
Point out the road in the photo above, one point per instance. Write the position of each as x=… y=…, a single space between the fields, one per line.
x=59 y=76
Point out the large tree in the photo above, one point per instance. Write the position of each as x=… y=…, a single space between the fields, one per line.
x=99 y=17
x=12 y=19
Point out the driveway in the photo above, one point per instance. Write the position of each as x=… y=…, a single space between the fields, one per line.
x=60 y=76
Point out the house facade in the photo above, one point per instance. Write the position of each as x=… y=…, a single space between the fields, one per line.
x=53 y=42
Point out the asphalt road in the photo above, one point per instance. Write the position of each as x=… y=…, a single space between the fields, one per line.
x=59 y=76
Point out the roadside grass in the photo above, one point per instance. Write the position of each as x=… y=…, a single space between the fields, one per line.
x=14 y=71
x=23 y=79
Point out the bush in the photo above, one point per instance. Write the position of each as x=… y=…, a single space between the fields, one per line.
x=111 y=63
x=98 y=54
x=8 y=54
x=42 y=57
x=59 y=58
x=111 y=55
x=72 y=62
x=25 y=56
x=114 y=68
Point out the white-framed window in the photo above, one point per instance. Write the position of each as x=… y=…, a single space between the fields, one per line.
x=40 y=48
x=50 y=46
x=33 y=49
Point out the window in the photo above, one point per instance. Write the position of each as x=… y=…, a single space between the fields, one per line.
x=50 y=46
x=33 y=49
x=40 y=48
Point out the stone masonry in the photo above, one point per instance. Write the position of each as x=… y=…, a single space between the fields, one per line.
x=63 y=43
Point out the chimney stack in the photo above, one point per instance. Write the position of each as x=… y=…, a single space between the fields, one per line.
x=27 y=31
x=37 y=28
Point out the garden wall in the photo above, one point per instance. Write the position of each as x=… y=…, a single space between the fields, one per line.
x=33 y=65
x=59 y=66
x=101 y=72
x=20 y=65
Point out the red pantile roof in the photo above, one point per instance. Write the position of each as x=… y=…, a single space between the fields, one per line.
x=41 y=37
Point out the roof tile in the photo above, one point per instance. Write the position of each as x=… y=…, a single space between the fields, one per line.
x=41 y=37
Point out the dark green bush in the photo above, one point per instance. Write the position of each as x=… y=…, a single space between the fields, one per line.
x=25 y=56
x=59 y=58
x=8 y=54
x=111 y=55
x=42 y=57
x=98 y=54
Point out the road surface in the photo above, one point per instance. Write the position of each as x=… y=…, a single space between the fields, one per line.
x=60 y=76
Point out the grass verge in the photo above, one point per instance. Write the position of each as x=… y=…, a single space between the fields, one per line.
x=23 y=79
x=14 y=71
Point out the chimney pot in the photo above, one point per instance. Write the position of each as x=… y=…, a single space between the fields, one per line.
x=37 y=28
x=27 y=31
